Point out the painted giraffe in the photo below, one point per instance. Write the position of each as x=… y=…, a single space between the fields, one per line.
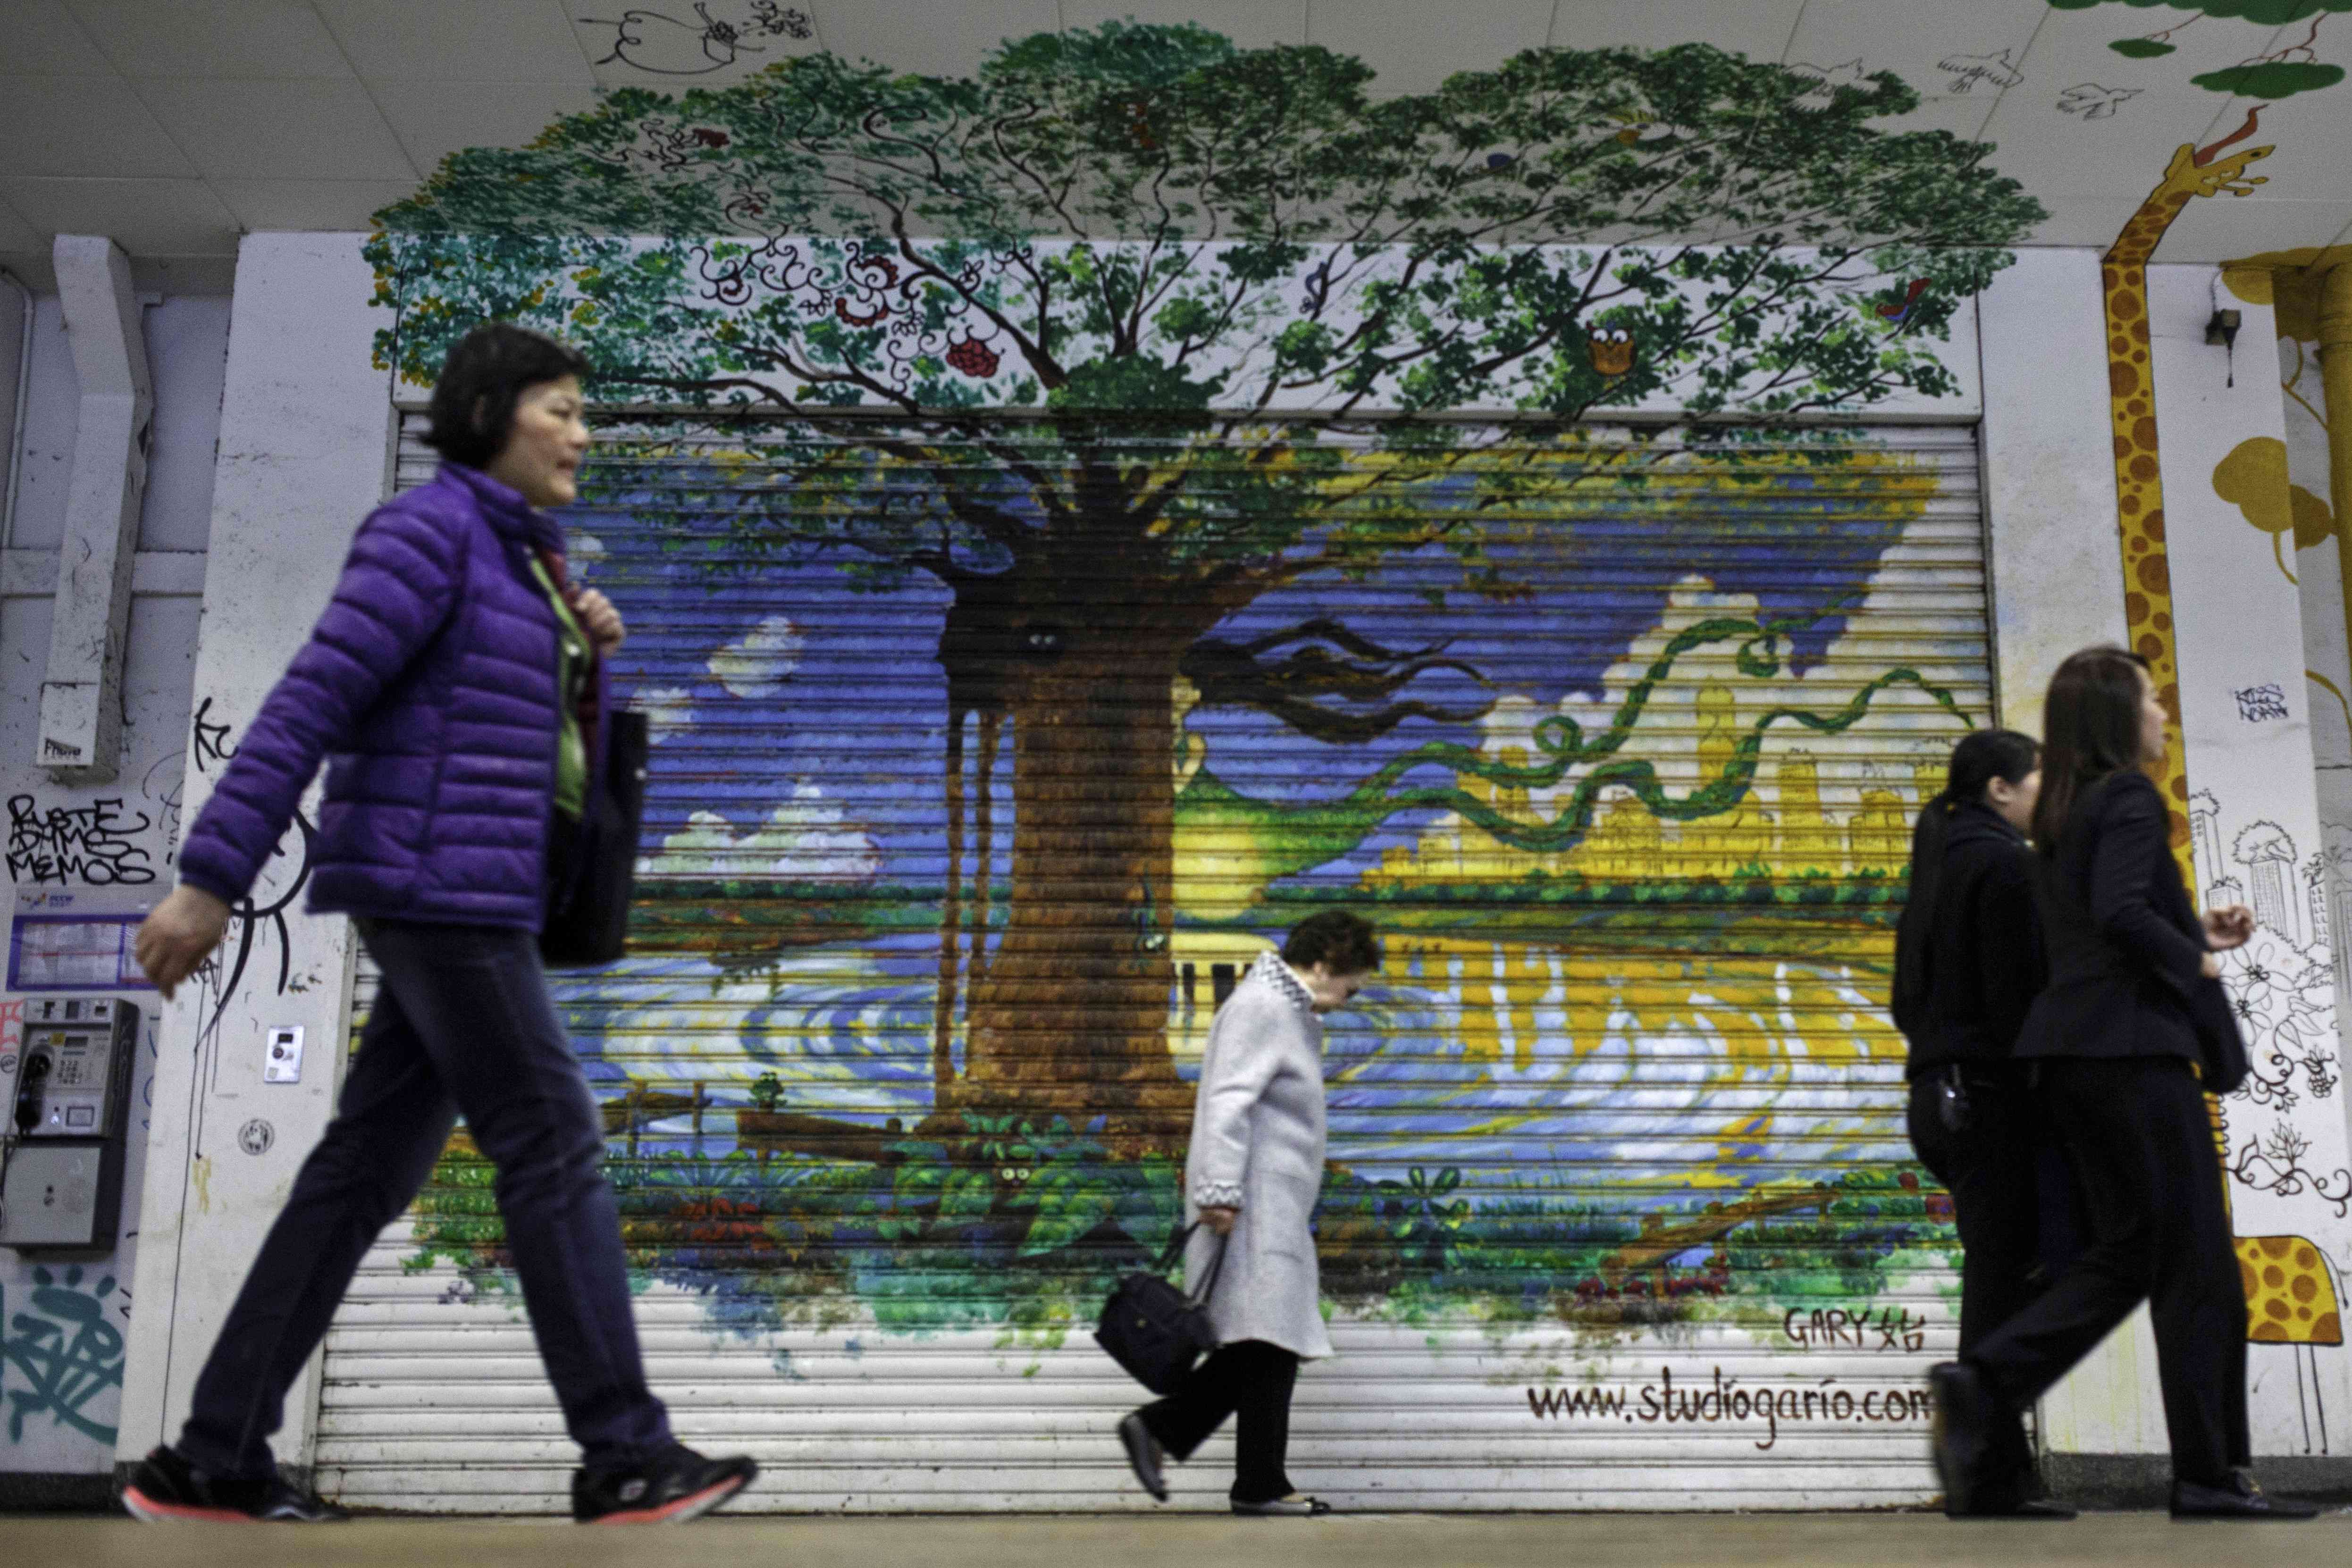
x=2291 y=1296
x=2131 y=387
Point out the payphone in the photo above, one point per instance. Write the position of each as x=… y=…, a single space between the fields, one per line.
x=65 y=1135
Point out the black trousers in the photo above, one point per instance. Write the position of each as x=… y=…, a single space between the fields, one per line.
x=1989 y=1162
x=463 y=1024
x=1989 y=1166
x=1251 y=1380
x=2140 y=1141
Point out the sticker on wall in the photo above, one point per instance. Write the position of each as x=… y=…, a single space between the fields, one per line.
x=255 y=1136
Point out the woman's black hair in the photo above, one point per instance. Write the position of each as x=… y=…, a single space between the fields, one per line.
x=2090 y=725
x=1980 y=758
x=483 y=377
x=1347 y=943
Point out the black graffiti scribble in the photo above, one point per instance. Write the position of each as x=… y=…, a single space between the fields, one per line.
x=66 y=1350
x=96 y=844
x=210 y=744
x=662 y=45
x=2257 y=704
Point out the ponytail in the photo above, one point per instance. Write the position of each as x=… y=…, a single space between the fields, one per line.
x=1977 y=762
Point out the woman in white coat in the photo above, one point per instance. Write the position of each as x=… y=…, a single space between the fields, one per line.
x=1251 y=1181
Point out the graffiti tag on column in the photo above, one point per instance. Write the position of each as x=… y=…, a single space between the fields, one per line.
x=65 y=1350
x=96 y=844
x=1892 y=1328
x=210 y=745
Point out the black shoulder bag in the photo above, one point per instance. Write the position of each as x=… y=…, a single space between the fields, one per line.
x=594 y=871
x=1153 y=1329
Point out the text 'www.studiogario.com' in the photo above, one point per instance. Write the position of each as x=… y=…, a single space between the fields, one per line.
x=1725 y=1401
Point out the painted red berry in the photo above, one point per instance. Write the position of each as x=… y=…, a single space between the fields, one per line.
x=973 y=359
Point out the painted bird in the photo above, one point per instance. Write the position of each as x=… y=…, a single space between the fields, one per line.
x=1896 y=309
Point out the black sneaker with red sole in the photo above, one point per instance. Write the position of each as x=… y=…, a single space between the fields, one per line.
x=166 y=1489
x=671 y=1487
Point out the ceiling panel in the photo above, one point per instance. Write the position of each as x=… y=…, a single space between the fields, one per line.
x=1251 y=23
x=151 y=217
x=16 y=236
x=212 y=37
x=1760 y=29
x=81 y=126
x=1983 y=40
x=279 y=131
x=672 y=46
x=2084 y=222
x=322 y=205
x=1415 y=46
x=937 y=40
x=2105 y=148
x=2076 y=46
x=44 y=39
x=463 y=41
x=2221 y=228
x=435 y=118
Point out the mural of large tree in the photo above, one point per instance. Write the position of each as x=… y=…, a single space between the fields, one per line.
x=1072 y=337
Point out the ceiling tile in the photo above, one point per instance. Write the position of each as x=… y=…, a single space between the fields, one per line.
x=91 y=126
x=1760 y=29
x=1414 y=47
x=2222 y=229
x=2106 y=147
x=2076 y=46
x=1251 y=24
x=672 y=45
x=2092 y=223
x=259 y=38
x=44 y=39
x=279 y=130
x=948 y=40
x=435 y=118
x=152 y=217
x=265 y=204
x=1983 y=41
x=463 y=40
x=1963 y=115
x=16 y=236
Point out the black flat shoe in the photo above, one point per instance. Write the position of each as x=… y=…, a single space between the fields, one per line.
x=1144 y=1456
x=1966 y=1422
x=2242 y=1498
x=2021 y=1508
x=1285 y=1508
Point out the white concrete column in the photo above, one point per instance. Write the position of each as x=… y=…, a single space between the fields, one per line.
x=305 y=423
x=80 y=740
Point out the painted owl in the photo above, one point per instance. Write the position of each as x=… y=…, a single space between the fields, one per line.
x=1611 y=350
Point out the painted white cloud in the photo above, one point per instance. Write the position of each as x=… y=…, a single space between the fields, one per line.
x=808 y=837
x=755 y=664
x=667 y=710
x=584 y=553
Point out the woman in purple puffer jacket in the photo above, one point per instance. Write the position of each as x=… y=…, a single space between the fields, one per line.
x=453 y=688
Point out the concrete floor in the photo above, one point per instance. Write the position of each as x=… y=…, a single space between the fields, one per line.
x=1360 y=1540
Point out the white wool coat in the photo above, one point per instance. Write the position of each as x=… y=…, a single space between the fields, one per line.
x=1258 y=1137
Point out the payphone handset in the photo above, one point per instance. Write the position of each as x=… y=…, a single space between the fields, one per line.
x=73 y=1078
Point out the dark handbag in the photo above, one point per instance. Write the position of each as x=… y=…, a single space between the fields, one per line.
x=1153 y=1329
x=2222 y=1062
x=592 y=872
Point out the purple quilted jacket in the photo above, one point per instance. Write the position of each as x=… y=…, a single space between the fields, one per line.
x=428 y=687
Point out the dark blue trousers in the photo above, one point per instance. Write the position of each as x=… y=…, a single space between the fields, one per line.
x=463 y=1026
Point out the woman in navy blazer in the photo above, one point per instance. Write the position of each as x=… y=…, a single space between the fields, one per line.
x=2125 y=1043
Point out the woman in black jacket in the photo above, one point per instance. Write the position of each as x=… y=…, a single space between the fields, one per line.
x=1967 y=965
x=2133 y=1019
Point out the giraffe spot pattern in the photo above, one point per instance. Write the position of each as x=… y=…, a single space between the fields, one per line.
x=2275 y=1277
x=2276 y=1247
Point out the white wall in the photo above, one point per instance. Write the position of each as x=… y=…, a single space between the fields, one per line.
x=52 y=1308
x=305 y=423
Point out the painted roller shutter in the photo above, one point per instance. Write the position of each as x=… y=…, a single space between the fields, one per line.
x=1620 y=1212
